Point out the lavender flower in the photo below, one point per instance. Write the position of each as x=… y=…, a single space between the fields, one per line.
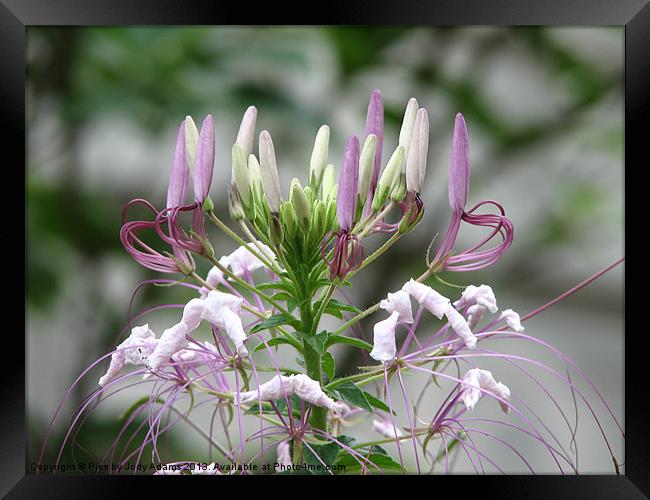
x=204 y=162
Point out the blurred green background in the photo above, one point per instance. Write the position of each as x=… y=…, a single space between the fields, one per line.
x=545 y=115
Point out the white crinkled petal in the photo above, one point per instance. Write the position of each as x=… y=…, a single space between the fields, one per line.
x=512 y=319
x=133 y=351
x=117 y=363
x=310 y=391
x=386 y=429
x=384 y=348
x=481 y=295
x=215 y=301
x=284 y=454
x=460 y=327
x=232 y=324
x=269 y=391
x=171 y=341
x=400 y=302
x=477 y=380
x=192 y=313
x=474 y=315
x=431 y=300
x=214 y=279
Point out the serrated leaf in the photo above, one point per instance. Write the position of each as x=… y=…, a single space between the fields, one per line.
x=329 y=365
x=344 y=339
x=273 y=321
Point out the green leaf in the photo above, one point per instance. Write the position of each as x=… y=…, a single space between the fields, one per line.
x=377 y=403
x=273 y=342
x=346 y=462
x=352 y=394
x=273 y=321
x=318 y=341
x=344 y=339
x=287 y=286
x=129 y=411
x=329 y=365
x=336 y=308
x=326 y=452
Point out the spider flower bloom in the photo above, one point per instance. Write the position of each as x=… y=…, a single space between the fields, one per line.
x=512 y=320
x=301 y=385
x=479 y=295
x=384 y=348
x=428 y=298
x=174 y=339
x=399 y=302
x=440 y=306
x=476 y=382
x=133 y=351
x=348 y=249
x=223 y=310
x=459 y=174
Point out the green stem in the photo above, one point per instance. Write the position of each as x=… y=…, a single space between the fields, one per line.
x=356 y=318
x=236 y=237
x=318 y=417
x=377 y=253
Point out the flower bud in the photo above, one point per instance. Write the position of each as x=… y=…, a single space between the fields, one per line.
x=389 y=178
x=416 y=161
x=329 y=182
x=269 y=171
x=300 y=204
x=398 y=192
x=255 y=174
x=408 y=122
x=204 y=161
x=246 y=134
x=191 y=140
x=179 y=174
x=235 y=209
x=289 y=219
x=366 y=166
x=319 y=222
x=459 y=166
x=240 y=175
x=319 y=156
x=346 y=200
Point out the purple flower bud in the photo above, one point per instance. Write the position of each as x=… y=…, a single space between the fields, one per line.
x=346 y=201
x=204 y=162
x=459 y=166
x=246 y=134
x=179 y=174
x=375 y=125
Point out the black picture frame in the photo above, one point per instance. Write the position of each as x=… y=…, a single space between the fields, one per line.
x=634 y=15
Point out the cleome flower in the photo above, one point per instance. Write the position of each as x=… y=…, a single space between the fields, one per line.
x=477 y=382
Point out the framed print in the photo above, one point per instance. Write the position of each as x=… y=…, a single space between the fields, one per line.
x=392 y=245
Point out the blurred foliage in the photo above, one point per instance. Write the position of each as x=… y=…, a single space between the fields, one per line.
x=79 y=76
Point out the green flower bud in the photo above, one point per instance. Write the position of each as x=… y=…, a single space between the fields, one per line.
x=255 y=174
x=234 y=205
x=289 y=219
x=319 y=156
x=241 y=176
x=389 y=178
x=399 y=189
x=366 y=165
x=300 y=204
x=329 y=181
x=408 y=122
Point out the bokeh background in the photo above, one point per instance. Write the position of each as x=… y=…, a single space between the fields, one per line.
x=545 y=113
